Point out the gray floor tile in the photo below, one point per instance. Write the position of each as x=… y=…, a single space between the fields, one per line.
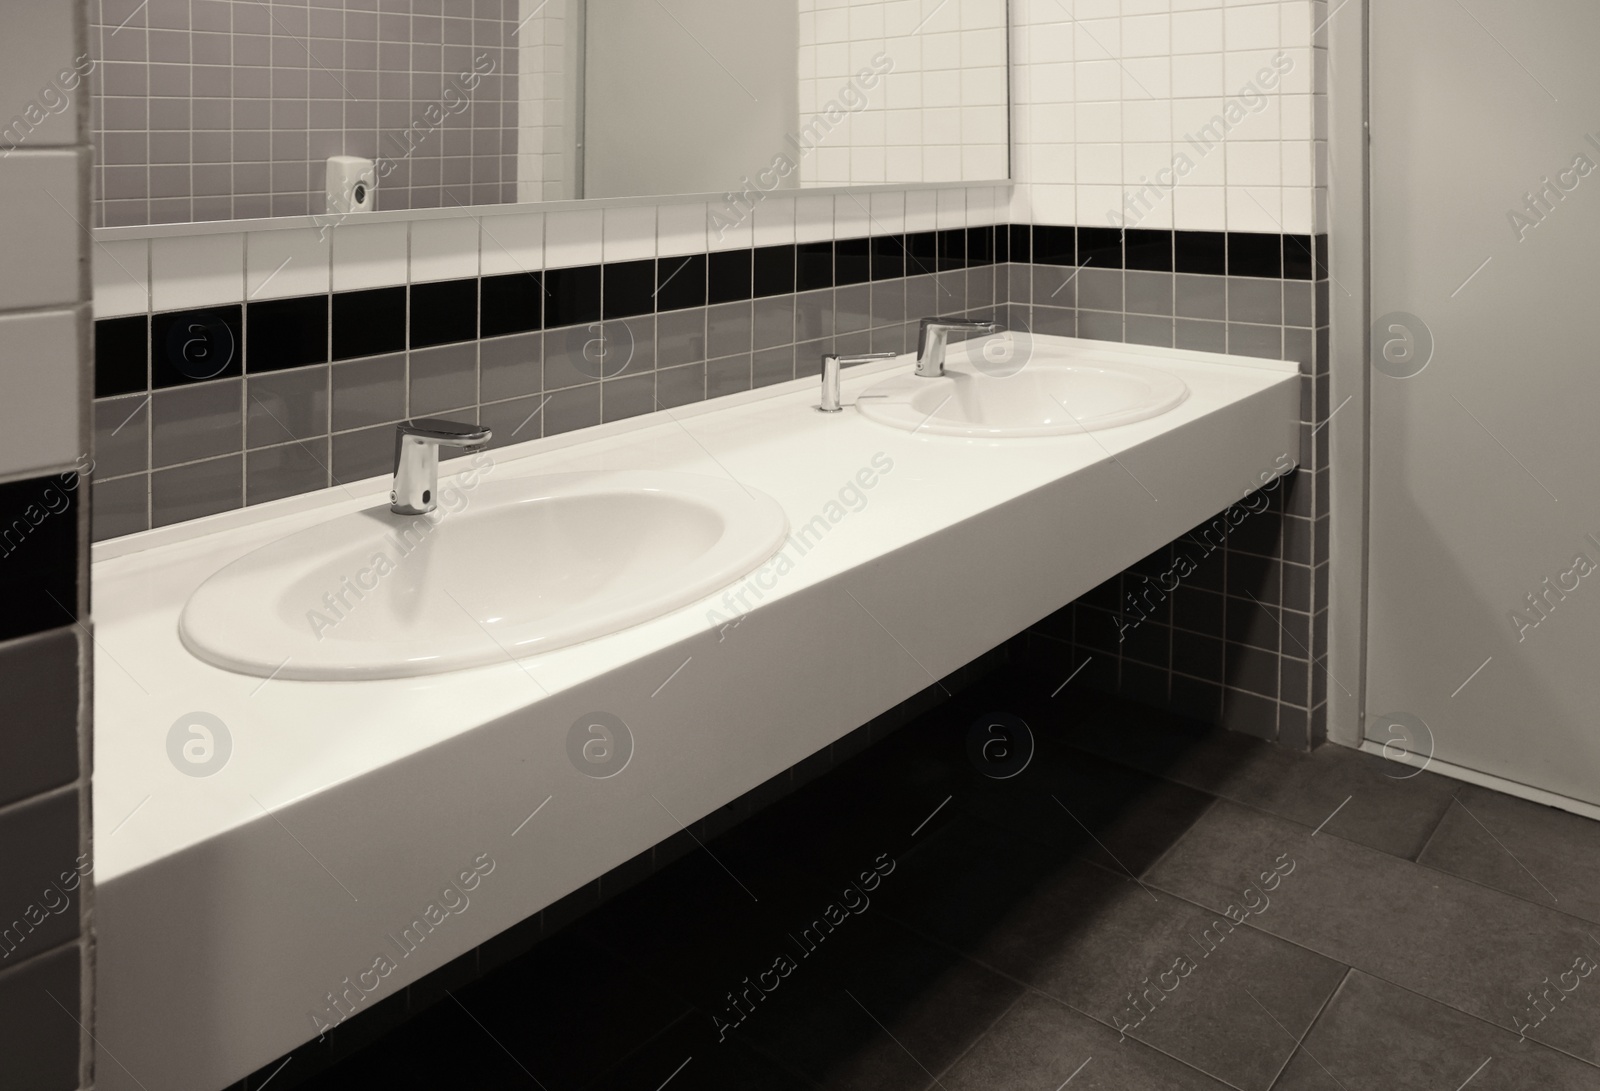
x=1042 y=1044
x=1375 y=1035
x=1384 y=811
x=1475 y=949
x=893 y=1009
x=1535 y=852
x=1193 y=984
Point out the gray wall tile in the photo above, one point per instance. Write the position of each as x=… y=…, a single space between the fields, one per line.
x=1099 y=289
x=39 y=728
x=121 y=506
x=681 y=385
x=680 y=337
x=569 y=359
x=577 y=407
x=1055 y=285
x=121 y=435
x=774 y=322
x=1100 y=325
x=1260 y=341
x=728 y=329
x=443 y=379
x=272 y=473
x=358 y=455
x=814 y=313
x=286 y=405
x=195 y=490
x=628 y=346
x=852 y=309
x=629 y=396
x=1148 y=293
x=1201 y=296
x=195 y=422
x=370 y=391
x=1255 y=300
x=728 y=376
x=1148 y=330
x=510 y=367
x=516 y=420
x=1201 y=336
x=771 y=366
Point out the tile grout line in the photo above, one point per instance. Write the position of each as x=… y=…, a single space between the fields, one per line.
x=1299 y=1044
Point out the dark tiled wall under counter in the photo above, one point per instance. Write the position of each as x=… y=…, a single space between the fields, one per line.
x=1228 y=623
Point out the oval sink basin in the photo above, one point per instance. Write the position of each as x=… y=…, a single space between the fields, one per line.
x=518 y=567
x=1043 y=398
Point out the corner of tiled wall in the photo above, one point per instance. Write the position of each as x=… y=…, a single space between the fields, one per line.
x=46 y=946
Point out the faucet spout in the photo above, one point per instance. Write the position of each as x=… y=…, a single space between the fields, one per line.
x=934 y=336
x=416 y=459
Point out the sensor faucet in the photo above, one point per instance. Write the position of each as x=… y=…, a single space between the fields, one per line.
x=933 y=337
x=831 y=363
x=416 y=460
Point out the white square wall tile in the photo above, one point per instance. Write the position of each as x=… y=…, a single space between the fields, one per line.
x=280 y=264
x=444 y=249
x=774 y=221
x=813 y=218
x=196 y=271
x=680 y=229
x=572 y=237
x=39 y=418
x=368 y=255
x=39 y=191
x=629 y=233
x=512 y=244
x=121 y=277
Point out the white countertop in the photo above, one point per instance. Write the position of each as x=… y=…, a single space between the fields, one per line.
x=303 y=743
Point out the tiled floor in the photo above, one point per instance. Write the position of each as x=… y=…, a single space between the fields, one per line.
x=1145 y=906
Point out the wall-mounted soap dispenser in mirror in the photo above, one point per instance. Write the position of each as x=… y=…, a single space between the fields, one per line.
x=352 y=184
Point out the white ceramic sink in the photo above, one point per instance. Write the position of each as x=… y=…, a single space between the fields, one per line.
x=1043 y=397
x=518 y=567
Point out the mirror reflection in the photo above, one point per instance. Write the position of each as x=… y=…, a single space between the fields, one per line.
x=233 y=109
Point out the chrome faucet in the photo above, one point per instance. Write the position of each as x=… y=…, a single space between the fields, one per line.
x=416 y=460
x=830 y=376
x=933 y=337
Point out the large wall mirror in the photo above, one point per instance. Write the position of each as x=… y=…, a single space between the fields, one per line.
x=230 y=109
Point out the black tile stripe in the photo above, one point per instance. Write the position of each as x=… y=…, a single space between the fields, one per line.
x=193 y=346
x=285 y=333
x=39 y=553
x=512 y=303
x=369 y=323
x=681 y=282
x=175 y=348
x=628 y=288
x=728 y=276
x=121 y=356
x=443 y=312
